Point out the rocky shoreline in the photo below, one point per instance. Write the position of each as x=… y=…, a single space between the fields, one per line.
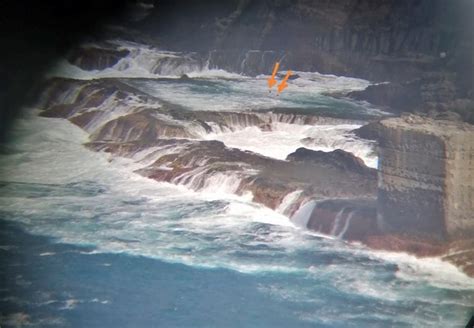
x=333 y=193
x=420 y=50
x=155 y=124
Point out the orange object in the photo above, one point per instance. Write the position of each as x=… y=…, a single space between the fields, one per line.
x=271 y=80
x=283 y=83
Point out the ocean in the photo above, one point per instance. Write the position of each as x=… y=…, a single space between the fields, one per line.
x=86 y=242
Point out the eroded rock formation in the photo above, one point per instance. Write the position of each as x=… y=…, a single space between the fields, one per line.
x=126 y=122
x=426 y=179
x=338 y=158
x=434 y=94
x=423 y=47
x=385 y=39
x=425 y=198
x=96 y=58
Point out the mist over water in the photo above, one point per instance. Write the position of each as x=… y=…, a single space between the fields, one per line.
x=239 y=260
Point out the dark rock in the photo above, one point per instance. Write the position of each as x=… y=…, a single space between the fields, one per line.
x=408 y=244
x=97 y=98
x=265 y=127
x=337 y=158
x=461 y=254
x=397 y=97
x=434 y=92
x=424 y=48
x=447 y=116
x=348 y=219
x=94 y=58
x=388 y=40
x=83 y=93
x=145 y=125
x=425 y=182
x=370 y=131
x=269 y=180
x=422 y=173
x=291 y=77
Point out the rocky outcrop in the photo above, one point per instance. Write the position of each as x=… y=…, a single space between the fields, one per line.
x=339 y=158
x=96 y=58
x=426 y=186
x=425 y=198
x=370 y=131
x=423 y=47
x=199 y=164
x=397 y=97
x=394 y=40
x=461 y=254
x=165 y=139
x=146 y=124
x=348 y=219
x=434 y=94
x=92 y=103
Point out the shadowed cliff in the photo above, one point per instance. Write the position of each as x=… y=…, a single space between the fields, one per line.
x=35 y=35
x=424 y=47
x=342 y=37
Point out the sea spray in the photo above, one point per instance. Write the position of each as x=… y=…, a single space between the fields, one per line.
x=303 y=214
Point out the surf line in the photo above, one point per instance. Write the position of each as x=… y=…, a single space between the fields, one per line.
x=272 y=81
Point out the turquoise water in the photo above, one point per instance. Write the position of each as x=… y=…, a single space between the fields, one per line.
x=252 y=95
x=85 y=242
x=69 y=286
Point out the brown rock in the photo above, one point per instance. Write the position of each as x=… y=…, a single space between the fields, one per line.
x=95 y=58
x=408 y=244
x=337 y=158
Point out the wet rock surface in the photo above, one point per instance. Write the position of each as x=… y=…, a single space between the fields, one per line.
x=422 y=205
x=145 y=121
x=425 y=188
x=436 y=94
x=338 y=158
x=425 y=192
x=388 y=39
x=425 y=180
x=370 y=131
x=423 y=48
x=348 y=219
x=96 y=58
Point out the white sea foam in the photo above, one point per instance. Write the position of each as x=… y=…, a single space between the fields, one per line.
x=85 y=198
x=242 y=94
x=49 y=151
x=147 y=62
x=57 y=157
x=430 y=270
x=319 y=83
x=303 y=214
x=144 y=62
x=288 y=201
x=286 y=138
x=222 y=90
x=346 y=225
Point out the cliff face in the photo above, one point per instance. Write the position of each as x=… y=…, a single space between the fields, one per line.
x=425 y=198
x=426 y=178
x=379 y=40
x=425 y=47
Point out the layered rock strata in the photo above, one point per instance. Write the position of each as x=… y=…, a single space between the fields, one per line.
x=426 y=178
x=425 y=195
x=167 y=140
x=425 y=190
